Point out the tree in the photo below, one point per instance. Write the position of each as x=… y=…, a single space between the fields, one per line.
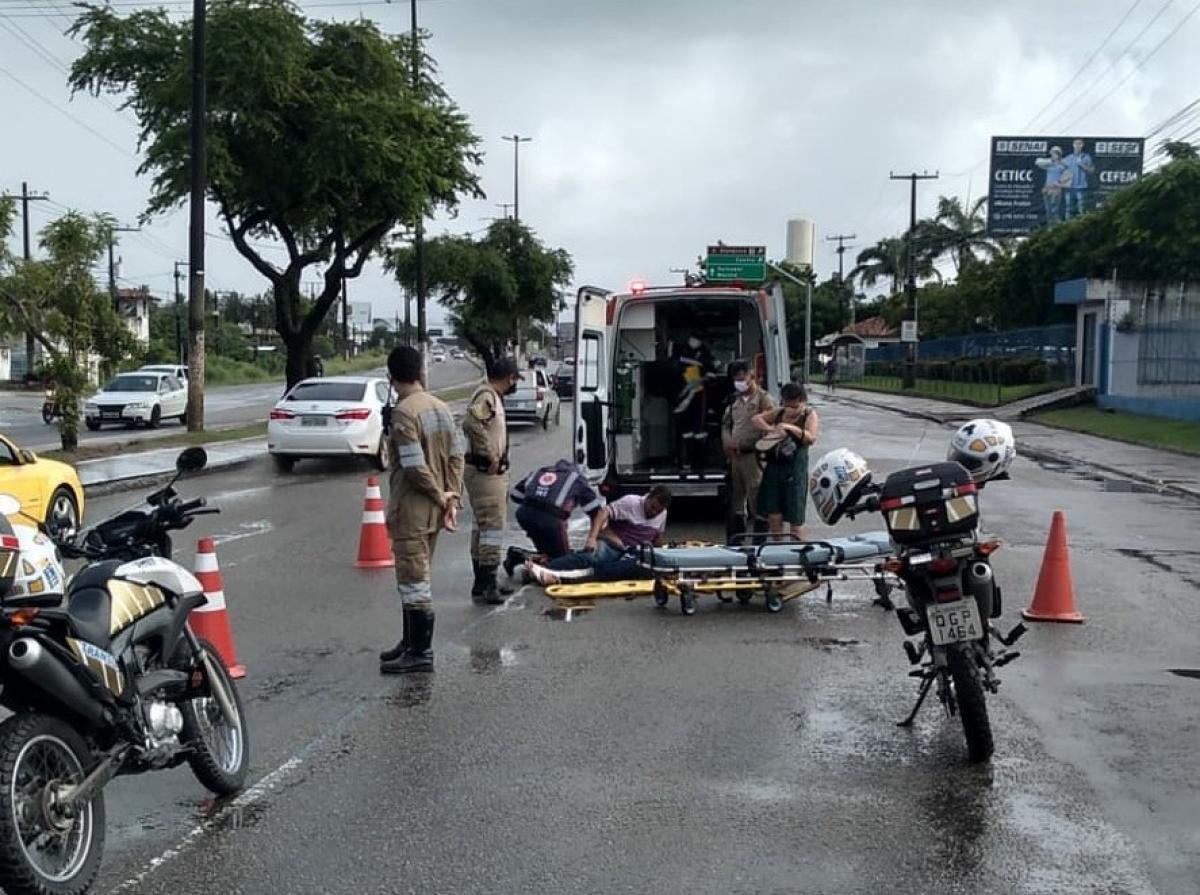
x=316 y=136
x=57 y=299
x=1180 y=149
x=493 y=286
x=888 y=259
x=958 y=232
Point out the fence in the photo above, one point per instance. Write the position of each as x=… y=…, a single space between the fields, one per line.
x=1169 y=354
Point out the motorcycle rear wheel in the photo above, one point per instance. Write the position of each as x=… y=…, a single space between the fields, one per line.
x=43 y=851
x=220 y=754
x=972 y=705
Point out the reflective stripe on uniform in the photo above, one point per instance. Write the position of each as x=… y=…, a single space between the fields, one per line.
x=491 y=537
x=594 y=505
x=565 y=491
x=436 y=420
x=411 y=455
x=415 y=592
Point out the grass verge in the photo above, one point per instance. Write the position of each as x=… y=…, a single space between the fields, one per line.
x=980 y=394
x=183 y=439
x=1152 y=431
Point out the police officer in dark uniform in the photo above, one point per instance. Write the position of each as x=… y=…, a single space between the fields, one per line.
x=546 y=498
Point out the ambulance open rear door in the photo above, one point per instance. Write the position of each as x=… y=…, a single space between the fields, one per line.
x=593 y=385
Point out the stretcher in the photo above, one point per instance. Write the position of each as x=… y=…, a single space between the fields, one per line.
x=779 y=571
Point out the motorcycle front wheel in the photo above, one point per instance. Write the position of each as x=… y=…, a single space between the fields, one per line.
x=47 y=413
x=972 y=705
x=220 y=753
x=44 y=848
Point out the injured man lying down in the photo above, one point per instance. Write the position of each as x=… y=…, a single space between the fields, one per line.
x=627 y=524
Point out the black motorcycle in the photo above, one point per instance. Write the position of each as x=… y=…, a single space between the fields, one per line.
x=51 y=407
x=104 y=679
x=932 y=515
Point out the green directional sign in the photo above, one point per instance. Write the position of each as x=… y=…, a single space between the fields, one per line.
x=725 y=264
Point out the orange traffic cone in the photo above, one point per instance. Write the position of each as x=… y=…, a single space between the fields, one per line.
x=1054 y=597
x=211 y=621
x=374 y=545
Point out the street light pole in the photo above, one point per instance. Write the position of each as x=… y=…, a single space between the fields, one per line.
x=199 y=172
x=910 y=282
x=517 y=140
x=419 y=227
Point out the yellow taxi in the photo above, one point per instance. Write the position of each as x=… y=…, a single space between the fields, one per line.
x=48 y=490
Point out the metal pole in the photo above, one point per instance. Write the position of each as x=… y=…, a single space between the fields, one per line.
x=517 y=140
x=199 y=171
x=419 y=229
x=808 y=328
x=910 y=284
x=345 y=307
x=178 y=316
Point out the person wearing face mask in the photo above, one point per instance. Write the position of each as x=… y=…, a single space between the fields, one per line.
x=789 y=432
x=486 y=476
x=691 y=410
x=738 y=437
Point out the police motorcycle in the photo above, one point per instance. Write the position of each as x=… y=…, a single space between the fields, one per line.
x=103 y=676
x=932 y=516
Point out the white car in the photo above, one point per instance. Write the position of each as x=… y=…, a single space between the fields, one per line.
x=534 y=401
x=136 y=398
x=179 y=371
x=334 y=416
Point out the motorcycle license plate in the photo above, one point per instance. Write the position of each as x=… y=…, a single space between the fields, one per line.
x=313 y=421
x=954 y=622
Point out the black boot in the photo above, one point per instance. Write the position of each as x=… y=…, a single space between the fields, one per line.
x=491 y=595
x=395 y=652
x=419 y=655
x=477 y=587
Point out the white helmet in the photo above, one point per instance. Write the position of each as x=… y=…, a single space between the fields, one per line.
x=985 y=448
x=836 y=483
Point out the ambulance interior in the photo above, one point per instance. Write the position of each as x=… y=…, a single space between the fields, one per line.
x=648 y=382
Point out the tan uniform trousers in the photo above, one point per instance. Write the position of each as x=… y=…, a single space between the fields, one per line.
x=414 y=568
x=746 y=476
x=489 y=496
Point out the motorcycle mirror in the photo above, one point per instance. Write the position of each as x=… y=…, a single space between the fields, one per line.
x=9 y=505
x=192 y=460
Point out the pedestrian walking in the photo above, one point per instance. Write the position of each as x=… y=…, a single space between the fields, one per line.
x=424 y=487
x=545 y=500
x=738 y=437
x=789 y=431
x=487 y=476
x=831 y=367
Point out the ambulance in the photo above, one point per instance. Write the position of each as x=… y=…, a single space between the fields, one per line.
x=628 y=381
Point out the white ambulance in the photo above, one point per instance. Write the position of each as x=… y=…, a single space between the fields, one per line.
x=628 y=380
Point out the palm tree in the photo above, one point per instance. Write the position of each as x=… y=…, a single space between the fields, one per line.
x=888 y=259
x=960 y=233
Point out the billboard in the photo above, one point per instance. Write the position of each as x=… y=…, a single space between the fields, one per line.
x=1037 y=181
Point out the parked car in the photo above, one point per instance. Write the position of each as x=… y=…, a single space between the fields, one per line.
x=534 y=401
x=49 y=491
x=458 y=354
x=564 y=382
x=179 y=371
x=336 y=416
x=136 y=398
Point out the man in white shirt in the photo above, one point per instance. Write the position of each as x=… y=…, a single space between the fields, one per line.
x=627 y=523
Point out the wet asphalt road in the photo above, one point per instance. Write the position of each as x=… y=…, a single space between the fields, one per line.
x=635 y=750
x=234 y=405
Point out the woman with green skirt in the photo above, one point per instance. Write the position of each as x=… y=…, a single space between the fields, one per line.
x=788 y=431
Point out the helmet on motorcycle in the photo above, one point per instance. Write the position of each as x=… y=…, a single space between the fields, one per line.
x=985 y=448
x=837 y=482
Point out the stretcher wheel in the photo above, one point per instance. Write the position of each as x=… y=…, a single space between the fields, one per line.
x=744 y=598
x=774 y=601
x=687 y=601
x=660 y=594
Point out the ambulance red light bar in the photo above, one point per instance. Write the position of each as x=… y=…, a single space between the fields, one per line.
x=637 y=287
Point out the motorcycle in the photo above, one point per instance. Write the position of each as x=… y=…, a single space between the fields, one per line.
x=945 y=571
x=51 y=407
x=104 y=677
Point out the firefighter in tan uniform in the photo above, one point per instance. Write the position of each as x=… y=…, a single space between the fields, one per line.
x=425 y=484
x=487 y=476
x=738 y=437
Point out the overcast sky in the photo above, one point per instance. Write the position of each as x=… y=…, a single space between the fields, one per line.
x=660 y=126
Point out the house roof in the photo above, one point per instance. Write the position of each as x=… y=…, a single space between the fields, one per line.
x=141 y=292
x=871 y=328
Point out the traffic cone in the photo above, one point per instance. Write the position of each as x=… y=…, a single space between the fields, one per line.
x=374 y=545
x=211 y=621
x=1054 y=596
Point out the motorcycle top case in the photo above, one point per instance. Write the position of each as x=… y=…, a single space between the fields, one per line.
x=927 y=503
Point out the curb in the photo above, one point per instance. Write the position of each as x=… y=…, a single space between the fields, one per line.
x=1040 y=453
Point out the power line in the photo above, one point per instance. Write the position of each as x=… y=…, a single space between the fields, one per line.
x=65 y=113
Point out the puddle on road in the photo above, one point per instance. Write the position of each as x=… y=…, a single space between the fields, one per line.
x=414 y=690
x=493 y=661
x=833 y=643
x=1120 y=486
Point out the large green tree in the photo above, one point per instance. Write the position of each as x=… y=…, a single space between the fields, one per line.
x=887 y=261
x=493 y=286
x=57 y=299
x=959 y=232
x=317 y=136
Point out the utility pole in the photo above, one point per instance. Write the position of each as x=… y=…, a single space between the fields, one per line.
x=419 y=228
x=910 y=280
x=179 y=314
x=517 y=140
x=199 y=176
x=112 y=264
x=840 y=239
x=345 y=304
x=26 y=197
x=504 y=207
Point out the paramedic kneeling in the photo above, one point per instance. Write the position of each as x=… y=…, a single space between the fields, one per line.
x=546 y=498
x=625 y=525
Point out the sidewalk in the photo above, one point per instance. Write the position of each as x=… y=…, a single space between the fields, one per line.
x=1164 y=470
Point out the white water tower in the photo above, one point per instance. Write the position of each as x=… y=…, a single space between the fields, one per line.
x=801 y=242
